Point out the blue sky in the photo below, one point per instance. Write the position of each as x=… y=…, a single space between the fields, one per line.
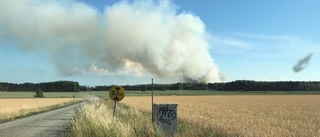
x=250 y=39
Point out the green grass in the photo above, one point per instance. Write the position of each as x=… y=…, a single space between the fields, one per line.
x=46 y=94
x=105 y=94
x=16 y=94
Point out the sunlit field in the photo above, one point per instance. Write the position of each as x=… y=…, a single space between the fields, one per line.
x=245 y=115
x=46 y=94
x=95 y=119
x=14 y=108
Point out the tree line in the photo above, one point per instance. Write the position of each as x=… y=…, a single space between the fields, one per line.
x=56 y=86
x=238 y=85
x=249 y=85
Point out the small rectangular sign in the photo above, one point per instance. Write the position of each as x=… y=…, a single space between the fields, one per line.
x=165 y=116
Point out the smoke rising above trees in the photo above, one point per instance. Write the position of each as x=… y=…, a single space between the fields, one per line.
x=132 y=38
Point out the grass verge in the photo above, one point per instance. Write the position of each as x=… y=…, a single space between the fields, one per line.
x=95 y=119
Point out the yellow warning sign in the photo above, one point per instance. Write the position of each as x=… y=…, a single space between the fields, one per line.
x=117 y=93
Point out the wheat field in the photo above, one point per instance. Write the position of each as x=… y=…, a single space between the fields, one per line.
x=245 y=115
x=12 y=108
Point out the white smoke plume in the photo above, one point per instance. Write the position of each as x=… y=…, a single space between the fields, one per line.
x=146 y=37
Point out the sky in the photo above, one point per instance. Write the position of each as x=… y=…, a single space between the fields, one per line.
x=103 y=42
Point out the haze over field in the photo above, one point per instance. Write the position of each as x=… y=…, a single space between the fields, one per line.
x=129 y=42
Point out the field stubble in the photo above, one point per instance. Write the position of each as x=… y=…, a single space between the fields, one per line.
x=14 y=108
x=245 y=115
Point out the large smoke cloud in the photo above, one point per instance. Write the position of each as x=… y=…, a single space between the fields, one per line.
x=140 y=37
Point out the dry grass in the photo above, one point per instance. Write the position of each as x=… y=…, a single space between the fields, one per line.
x=13 y=108
x=245 y=115
x=95 y=119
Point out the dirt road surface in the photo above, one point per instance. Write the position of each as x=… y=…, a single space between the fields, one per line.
x=49 y=124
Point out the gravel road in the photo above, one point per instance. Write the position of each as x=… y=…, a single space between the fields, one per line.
x=49 y=124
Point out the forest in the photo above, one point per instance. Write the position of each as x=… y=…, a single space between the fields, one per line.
x=56 y=86
x=238 y=85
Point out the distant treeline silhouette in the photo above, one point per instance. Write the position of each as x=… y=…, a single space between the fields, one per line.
x=238 y=85
x=57 y=86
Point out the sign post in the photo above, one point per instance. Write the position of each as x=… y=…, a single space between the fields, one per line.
x=114 y=108
x=116 y=93
x=152 y=101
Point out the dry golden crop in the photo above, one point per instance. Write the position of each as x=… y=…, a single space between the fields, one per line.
x=11 y=108
x=245 y=115
x=96 y=119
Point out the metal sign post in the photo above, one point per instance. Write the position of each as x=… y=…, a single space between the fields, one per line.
x=114 y=108
x=116 y=93
x=152 y=101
